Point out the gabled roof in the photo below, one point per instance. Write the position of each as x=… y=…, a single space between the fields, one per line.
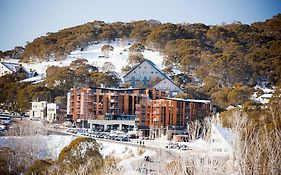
x=152 y=64
x=225 y=133
x=14 y=67
x=170 y=81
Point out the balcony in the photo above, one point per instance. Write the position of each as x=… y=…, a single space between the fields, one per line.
x=155 y=120
x=137 y=112
x=155 y=112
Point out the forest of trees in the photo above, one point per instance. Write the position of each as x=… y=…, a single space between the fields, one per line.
x=221 y=62
x=231 y=53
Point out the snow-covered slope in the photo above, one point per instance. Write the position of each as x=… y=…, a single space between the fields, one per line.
x=41 y=147
x=95 y=57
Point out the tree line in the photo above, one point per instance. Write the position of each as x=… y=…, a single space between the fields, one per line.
x=212 y=60
x=17 y=95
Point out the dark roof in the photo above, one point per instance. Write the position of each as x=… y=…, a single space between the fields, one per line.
x=152 y=64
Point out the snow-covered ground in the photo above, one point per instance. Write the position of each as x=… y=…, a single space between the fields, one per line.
x=96 y=57
x=118 y=56
x=49 y=147
x=42 y=147
x=129 y=155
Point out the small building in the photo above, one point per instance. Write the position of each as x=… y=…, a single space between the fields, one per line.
x=38 y=110
x=51 y=112
x=12 y=68
x=43 y=111
x=221 y=143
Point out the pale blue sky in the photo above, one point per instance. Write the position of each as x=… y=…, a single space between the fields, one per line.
x=24 y=20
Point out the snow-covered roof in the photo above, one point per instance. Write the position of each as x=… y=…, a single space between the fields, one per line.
x=264 y=89
x=190 y=100
x=230 y=107
x=152 y=64
x=169 y=81
x=14 y=67
x=34 y=79
x=266 y=96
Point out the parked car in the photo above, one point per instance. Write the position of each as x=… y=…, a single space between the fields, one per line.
x=71 y=130
x=113 y=137
x=106 y=136
x=3 y=128
x=125 y=139
x=184 y=147
x=67 y=124
x=93 y=135
x=119 y=138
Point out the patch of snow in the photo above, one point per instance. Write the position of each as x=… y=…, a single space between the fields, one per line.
x=93 y=54
x=34 y=79
x=264 y=89
x=43 y=147
x=266 y=95
x=126 y=153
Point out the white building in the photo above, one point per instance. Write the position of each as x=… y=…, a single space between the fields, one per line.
x=143 y=73
x=38 y=110
x=51 y=112
x=43 y=111
x=221 y=143
x=11 y=68
x=146 y=74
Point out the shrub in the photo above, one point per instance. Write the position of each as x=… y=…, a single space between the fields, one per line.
x=39 y=167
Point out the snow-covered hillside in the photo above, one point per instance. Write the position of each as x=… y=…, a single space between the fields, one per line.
x=41 y=147
x=95 y=57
